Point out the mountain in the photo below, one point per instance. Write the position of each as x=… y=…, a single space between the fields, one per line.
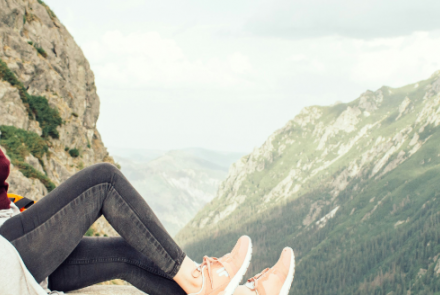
x=48 y=101
x=137 y=155
x=353 y=188
x=178 y=183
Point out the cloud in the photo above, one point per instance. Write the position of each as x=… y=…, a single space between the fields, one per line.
x=148 y=59
x=400 y=57
x=364 y=19
x=239 y=63
x=303 y=64
x=391 y=61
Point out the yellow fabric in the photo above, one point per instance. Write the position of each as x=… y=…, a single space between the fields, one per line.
x=16 y=199
x=14 y=196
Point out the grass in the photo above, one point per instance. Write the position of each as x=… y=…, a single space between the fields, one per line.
x=22 y=143
x=38 y=107
x=41 y=51
x=19 y=144
x=30 y=172
x=90 y=232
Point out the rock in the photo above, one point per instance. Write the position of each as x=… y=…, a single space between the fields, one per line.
x=64 y=77
x=308 y=115
x=323 y=221
x=31 y=188
x=437 y=268
x=403 y=107
x=330 y=150
x=31 y=160
x=43 y=56
x=108 y=290
x=371 y=101
x=101 y=227
x=12 y=110
x=346 y=122
x=421 y=273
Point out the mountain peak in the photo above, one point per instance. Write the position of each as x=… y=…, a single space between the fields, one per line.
x=348 y=172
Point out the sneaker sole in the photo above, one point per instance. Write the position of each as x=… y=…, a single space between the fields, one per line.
x=288 y=282
x=235 y=281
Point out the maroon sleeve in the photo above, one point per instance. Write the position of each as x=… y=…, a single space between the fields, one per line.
x=4 y=173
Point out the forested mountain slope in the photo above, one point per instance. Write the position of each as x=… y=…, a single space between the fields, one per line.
x=353 y=188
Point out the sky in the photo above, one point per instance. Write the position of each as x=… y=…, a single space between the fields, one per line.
x=224 y=75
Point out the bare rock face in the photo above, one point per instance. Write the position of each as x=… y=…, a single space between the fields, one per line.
x=42 y=54
x=12 y=111
x=61 y=74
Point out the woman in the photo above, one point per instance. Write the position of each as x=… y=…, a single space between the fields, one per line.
x=49 y=237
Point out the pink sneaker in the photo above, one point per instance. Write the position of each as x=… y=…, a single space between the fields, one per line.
x=223 y=275
x=276 y=280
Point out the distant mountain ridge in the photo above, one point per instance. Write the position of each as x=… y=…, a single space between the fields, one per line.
x=176 y=183
x=353 y=188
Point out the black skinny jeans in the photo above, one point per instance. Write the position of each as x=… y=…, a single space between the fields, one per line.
x=49 y=236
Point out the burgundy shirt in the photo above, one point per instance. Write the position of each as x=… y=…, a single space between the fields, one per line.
x=4 y=173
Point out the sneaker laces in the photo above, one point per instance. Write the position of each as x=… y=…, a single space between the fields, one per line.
x=207 y=261
x=252 y=283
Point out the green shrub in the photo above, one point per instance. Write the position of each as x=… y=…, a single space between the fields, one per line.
x=37 y=106
x=31 y=172
x=74 y=153
x=90 y=232
x=41 y=51
x=19 y=144
x=48 y=117
x=31 y=43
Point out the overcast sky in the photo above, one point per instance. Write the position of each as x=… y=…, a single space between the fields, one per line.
x=224 y=75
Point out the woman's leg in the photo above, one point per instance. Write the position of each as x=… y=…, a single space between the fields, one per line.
x=48 y=232
x=97 y=260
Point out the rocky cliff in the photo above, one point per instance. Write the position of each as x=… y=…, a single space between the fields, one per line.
x=352 y=188
x=47 y=91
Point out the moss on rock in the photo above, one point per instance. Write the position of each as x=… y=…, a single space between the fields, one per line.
x=37 y=107
x=19 y=144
